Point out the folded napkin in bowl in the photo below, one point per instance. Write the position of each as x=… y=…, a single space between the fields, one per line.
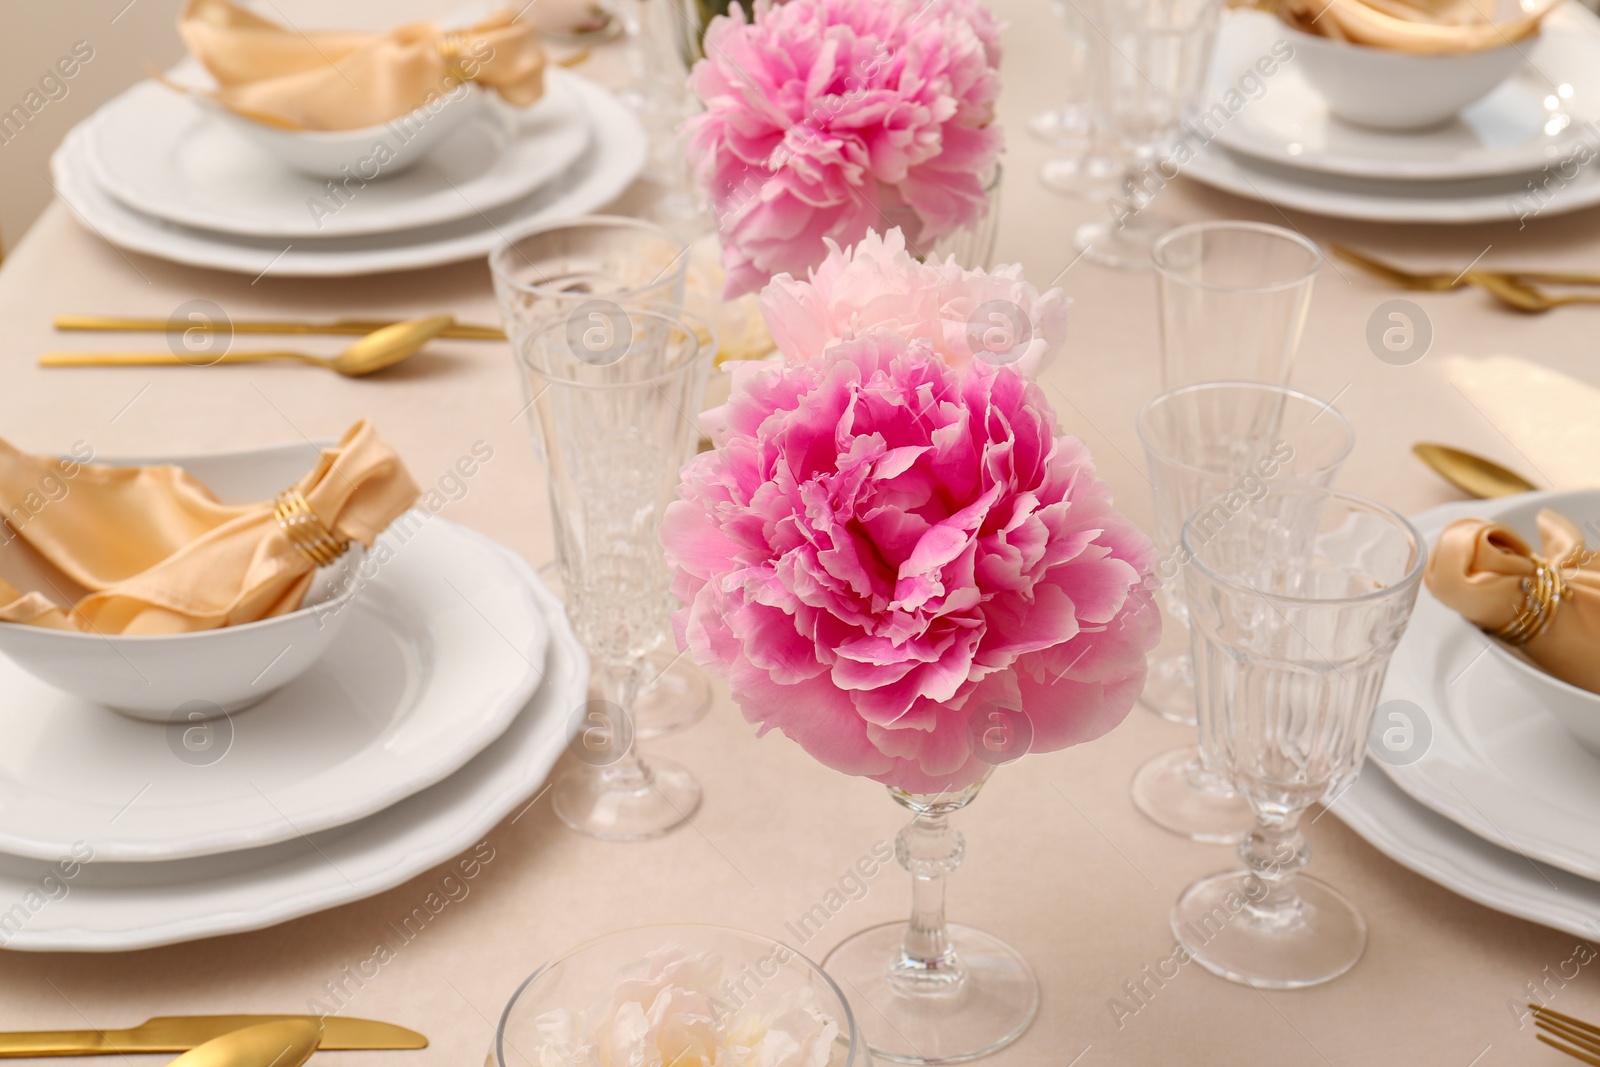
x=346 y=81
x=149 y=550
x=1546 y=602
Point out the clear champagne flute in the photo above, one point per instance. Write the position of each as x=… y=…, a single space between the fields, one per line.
x=1296 y=604
x=615 y=390
x=1237 y=441
x=552 y=269
x=1150 y=64
x=1232 y=299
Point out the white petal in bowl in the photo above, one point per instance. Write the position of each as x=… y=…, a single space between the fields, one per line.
x=206 y=674
x=1395 y=90
x=366 y=154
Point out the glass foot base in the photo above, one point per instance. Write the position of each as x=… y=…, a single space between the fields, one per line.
x=676 y=699
x=1123 y=247
x=988 y=1008
x=1318 y=939
x=1177 y=795
x=1169 y=688
x=592 y=803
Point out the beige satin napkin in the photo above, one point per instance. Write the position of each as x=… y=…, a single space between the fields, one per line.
x=157 y=553
x=324 y=80
x=1479 y=568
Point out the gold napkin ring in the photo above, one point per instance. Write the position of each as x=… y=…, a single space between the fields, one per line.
x=451 y=48
x=1542 y=594
x=305 y=531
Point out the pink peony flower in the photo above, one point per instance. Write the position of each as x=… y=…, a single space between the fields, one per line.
x=993 y=316
x=881 y=549
x=827 y=117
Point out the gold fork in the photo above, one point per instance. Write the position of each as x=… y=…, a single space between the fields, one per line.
x=1584 y=1038
x=1512 y=288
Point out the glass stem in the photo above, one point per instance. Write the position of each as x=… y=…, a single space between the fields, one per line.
x=929 y=849
x=1274 y=853
x=620 y=684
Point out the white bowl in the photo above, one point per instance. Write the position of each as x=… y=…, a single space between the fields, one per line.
x=367 y=154
x=1577 y=709
x=192 y=676
x=1393 y=90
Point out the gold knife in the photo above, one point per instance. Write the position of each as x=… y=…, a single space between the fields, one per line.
x=179 y=1033
x=460 y=331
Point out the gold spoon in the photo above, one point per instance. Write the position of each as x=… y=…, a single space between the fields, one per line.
x=1471 y=474
x=285 y=1043
x=379 y=349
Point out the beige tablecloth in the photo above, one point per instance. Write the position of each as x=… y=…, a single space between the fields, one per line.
x=1058 y=861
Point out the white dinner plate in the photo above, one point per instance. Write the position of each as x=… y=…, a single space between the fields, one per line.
x=1464 y=863
x=444 y=646
x=114 y=907
x=615 y=155
x=162 y=153
x=1495 y=762
x=107 y=907
x=1530 y=121
x=1502 y=199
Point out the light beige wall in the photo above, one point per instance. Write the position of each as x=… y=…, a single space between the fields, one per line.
x=34 y=34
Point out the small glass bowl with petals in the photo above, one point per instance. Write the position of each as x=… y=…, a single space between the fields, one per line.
x=678 y=994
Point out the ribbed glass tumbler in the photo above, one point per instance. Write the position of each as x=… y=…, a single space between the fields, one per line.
x=1296 y=603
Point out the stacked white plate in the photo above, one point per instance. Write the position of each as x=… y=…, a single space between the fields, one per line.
x=157 y=172
x=1526 y=149
x=440 y=708
x=1489 y=795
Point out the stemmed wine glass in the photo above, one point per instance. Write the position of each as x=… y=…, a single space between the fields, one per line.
x=1150 y=64
x=1234 y=442
x=615 y=390
x=1296 y=604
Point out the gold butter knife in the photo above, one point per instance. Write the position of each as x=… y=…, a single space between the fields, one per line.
x=179 y=1033
x=460 y=331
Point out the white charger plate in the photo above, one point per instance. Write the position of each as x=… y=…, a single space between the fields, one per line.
x=164 y=154
x=1530 y=121
x=1496 y=764
x=1495 y=199
x=444 y=647
x=615 y=156
x=1464 y=863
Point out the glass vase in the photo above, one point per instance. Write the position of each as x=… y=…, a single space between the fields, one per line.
x=927 y=990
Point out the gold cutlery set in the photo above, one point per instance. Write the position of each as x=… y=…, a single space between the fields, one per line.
x=1515 y=289
x=383 y=342
x=219 y=1040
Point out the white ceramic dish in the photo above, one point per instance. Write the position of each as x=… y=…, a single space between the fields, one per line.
x=1531 y=120
x=165 y=155
x=1464 y=863
x=614 y=158
x=441 y=650
x=1577 y=709
x=113 y=907
x=1503 y=199
x=211 y=673
x=328 y=153
x=1392 y=90
x=1498 y=761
